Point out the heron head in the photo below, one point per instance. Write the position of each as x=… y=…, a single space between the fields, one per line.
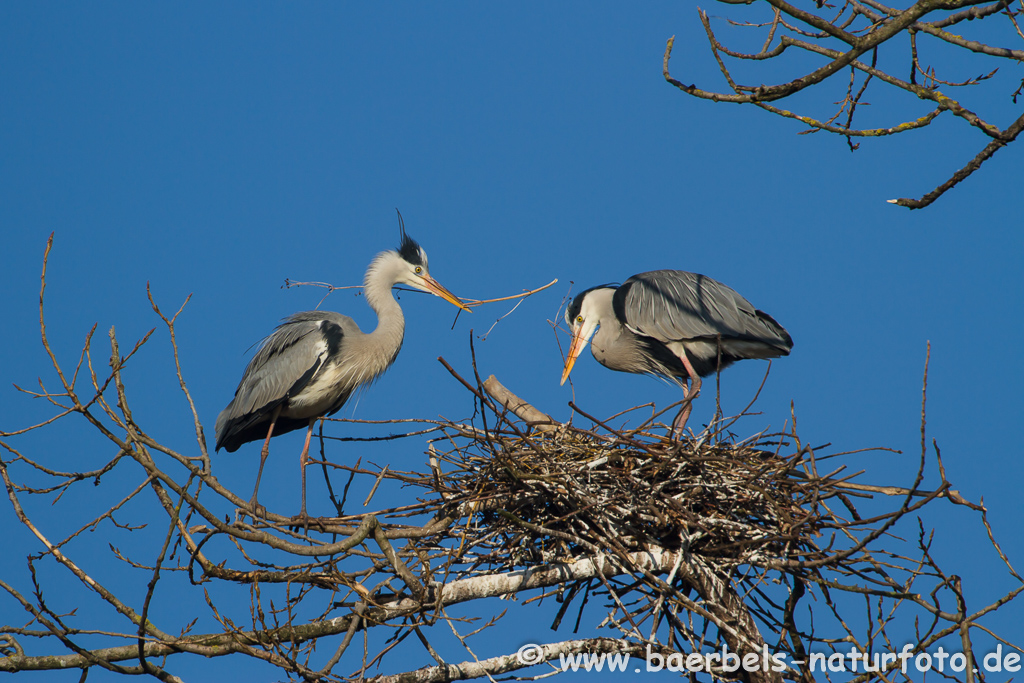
x=583 y=319
x=413 y=269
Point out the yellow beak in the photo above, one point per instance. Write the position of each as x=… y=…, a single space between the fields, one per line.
x=437 y=289
x=579 y=342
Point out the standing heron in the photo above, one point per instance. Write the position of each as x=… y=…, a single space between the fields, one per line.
x=673 y=324
x=313 y=362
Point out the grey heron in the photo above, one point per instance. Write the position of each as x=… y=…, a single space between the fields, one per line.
x=673 y=324
x=312 y=363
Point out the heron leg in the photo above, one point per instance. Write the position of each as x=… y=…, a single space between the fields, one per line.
x=689 y=394
x=303 y=459
x=253 y=505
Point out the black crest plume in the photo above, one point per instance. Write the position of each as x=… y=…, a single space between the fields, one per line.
x=409 y=249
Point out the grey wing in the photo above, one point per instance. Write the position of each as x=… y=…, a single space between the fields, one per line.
x=286 y=362
x=675 y=305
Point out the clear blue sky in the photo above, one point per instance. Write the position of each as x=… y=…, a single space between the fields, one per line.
x=217 y=150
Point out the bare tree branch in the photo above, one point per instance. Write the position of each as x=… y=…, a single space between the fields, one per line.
x=859 y=28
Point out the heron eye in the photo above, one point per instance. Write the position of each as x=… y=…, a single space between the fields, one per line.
x=419 y=270
x=579 y=318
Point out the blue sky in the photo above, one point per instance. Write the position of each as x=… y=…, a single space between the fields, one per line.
x=218 y=150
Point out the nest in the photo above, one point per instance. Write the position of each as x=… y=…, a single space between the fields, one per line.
x=563 y=493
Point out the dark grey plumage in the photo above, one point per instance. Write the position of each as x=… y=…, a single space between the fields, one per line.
x=296 y=354
x=673 y=324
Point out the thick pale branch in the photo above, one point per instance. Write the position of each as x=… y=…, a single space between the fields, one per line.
x=455 y=592
x=512 y=662
x=542 y=422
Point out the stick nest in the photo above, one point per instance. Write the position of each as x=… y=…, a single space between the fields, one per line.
x=570 y=493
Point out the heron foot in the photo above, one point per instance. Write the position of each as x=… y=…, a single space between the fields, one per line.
x=257 y=510
x=304 y=520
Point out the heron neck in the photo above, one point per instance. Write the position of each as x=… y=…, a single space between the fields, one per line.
x=381 y=276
